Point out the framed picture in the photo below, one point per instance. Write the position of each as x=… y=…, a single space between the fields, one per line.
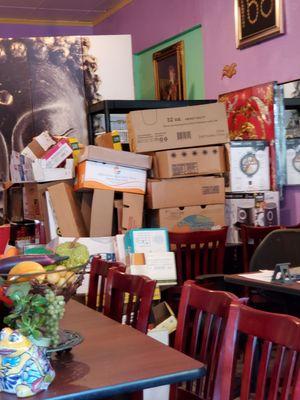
x=257 y=20
x=169 y=73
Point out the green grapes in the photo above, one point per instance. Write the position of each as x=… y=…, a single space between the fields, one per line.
x=55 y=312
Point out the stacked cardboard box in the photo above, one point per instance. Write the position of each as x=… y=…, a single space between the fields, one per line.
x=186 y=188
x=101 y=173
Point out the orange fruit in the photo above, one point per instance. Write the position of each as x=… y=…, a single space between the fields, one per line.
x=27 y=267
x=11 y=251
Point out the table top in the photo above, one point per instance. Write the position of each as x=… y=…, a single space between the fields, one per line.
x=287 y=288
x=112 y=359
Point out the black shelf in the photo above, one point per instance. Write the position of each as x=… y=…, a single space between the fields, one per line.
x=291 y=103
x=108 y=107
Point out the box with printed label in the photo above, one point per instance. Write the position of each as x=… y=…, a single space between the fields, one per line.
x=175 y=128
x=146 y=241
x=250 y=166
x=97 y=175
x=293 y=161
x=257 y=209
x=189 y=162
x=187 y=219
x=181 y=192
x=58 y=153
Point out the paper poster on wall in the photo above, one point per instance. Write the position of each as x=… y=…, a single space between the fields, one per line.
x=46 y=83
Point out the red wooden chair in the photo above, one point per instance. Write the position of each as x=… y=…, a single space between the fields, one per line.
x=268 y=367
x=99 y=269
x=134 y=309
x=201 y=323
x=251 y=237
x=197 y=253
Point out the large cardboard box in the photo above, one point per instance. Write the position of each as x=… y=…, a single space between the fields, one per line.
x=189 y=162
x=250 y=166
x=96 y=175
x=181 y=192
x=110 y=156
x=132 y=211
x=175 y=128
x=257 y=209
x=101 y=221
x=293 y=161
x=67 y=211
x=187 y=219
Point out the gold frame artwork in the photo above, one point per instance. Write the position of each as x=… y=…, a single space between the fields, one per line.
x=169 y=73
x=249 y=13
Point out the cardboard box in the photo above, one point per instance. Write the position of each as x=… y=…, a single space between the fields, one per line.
x=293 y=161
x=250 y=166
x=101 y=222
x=132 y=211
x=20 y=168
x=123 y=158
x=97 y=175
x=257 y=209
x=187 y=219
x=67 y=211
x=181 y=192
x=43 y=174
x=34 y=202
x=57 y=154
x=164 y=317
x=23 y=169
x=110 y=140
x=175 y=128
x=146 y=241
x=189 y=162
x=38 y=146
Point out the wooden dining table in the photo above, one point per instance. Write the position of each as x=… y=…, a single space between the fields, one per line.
x=291 y=288
x=112 y=359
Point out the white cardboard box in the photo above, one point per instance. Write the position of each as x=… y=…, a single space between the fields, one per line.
x=249 y=166
x=158 y=266
x=293 y=161
x=257 y=209
x=43 y=174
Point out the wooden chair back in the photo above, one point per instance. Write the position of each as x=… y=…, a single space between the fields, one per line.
x=97 y=282
x=198 y=252
x=260 y=356
x=128 y=298
x=251 y=238
x=202 y=320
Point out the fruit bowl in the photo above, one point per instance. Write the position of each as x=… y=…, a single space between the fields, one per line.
x=66 y=286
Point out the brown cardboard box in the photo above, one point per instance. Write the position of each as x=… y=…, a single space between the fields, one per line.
x=132 y=213
x=110 y=156
x=101 y=222
x=187 y=219
x=189 y=162
x=110 y=140
x=174 y=128
x=67 y=211
x=86 y=208
x=181 y=192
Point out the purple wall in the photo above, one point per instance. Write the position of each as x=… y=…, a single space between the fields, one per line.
x=276 y=59
x=151 y=22
x=16 y=30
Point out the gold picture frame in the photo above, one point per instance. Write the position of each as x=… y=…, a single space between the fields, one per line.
x=169 y=73
x=257 y=20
